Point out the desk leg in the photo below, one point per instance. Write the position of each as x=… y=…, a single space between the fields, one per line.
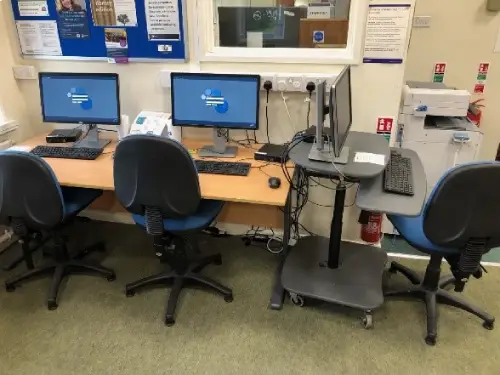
x=278 y=293
x=336 y=226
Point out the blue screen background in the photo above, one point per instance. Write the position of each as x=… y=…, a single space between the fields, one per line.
x=58 y=106
x=237 y=110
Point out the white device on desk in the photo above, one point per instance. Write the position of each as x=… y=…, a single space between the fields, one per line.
x=156 y=123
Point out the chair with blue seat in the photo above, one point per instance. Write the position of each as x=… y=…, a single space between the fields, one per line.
x=458 y=223
x=156 y=180
x=32 y=201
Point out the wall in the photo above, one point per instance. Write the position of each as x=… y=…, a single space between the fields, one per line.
x=11 y=96
x=376 y=92
x=463 y=37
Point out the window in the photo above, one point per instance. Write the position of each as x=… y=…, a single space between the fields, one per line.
x=274 y=30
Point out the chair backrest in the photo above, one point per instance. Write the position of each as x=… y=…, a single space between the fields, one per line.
x=156 y=172
x=29 y=192
x=465 y=206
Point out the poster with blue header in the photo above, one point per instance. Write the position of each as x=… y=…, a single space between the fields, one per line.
x=73 y=20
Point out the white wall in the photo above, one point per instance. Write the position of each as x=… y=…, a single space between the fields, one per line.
x=462 y=35
x=376 y=92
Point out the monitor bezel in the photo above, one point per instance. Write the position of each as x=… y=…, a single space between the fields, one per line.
x=215 y=75
x=79 y=75
x=338 y=144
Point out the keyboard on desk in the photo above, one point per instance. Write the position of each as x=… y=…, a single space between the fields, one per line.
x=223 y=167
x=81 y=153
x=398 y=175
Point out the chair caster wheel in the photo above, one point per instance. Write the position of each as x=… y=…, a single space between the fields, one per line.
x=52 y=305
x=218 y=261
x=297 y=300
x=111 y=277
x=489 y=325
x=430 y=340
x=129 y=293
x=10 y=288
x=228 y=299
x=367 y=321
x=169 y=322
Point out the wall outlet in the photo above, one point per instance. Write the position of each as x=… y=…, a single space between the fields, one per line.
x=267 y=77
x=24 y=72
x=422 y=21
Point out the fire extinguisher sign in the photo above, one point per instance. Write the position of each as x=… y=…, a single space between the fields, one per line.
x=384 y=126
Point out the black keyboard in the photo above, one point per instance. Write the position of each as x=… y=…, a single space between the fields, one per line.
x=82 y=153
x=398 y=175
x=223 y=167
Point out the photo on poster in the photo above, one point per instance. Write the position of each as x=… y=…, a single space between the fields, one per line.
x=33 y=8
x=73 y=19
x=114 y=13
x=116 y=43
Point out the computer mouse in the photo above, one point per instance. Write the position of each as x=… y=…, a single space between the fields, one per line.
x=274 y=182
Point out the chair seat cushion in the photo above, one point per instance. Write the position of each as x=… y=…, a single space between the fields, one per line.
x=77 y=199
x=412 y=229
x=206 y=213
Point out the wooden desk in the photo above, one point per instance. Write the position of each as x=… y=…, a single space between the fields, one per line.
x=253 y=202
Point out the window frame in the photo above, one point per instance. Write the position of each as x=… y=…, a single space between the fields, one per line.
x=206 y=51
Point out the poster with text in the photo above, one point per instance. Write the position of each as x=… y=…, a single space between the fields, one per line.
x=39 y=38
x=116 y=44
x=73 y=20
x=162 y=20
x=114 y=13
x=33 y=8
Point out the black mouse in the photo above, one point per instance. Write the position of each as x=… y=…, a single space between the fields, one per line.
x=274 y=182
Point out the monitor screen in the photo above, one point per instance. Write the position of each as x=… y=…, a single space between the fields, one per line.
x=215 y=100
x=341 y=109
x=80 y=98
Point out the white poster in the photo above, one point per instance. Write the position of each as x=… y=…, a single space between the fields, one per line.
x=162 y=19
x=33 y=8
x=386 y=32
x=39 y=38
x=114 y=13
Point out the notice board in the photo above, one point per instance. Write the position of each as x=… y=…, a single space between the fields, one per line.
x=101 y=29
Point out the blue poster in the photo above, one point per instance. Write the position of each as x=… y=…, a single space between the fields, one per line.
x=73 y=21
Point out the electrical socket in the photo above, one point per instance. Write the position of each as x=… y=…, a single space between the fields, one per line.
x=421 y=21
x=267 y=77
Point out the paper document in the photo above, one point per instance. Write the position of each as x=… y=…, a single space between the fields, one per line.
x=33 y=8
x=366 y=157
x=20 y=148
x=162 y=20
x=39 y=38
x=386 y=33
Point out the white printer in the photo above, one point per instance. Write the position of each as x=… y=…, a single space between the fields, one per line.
x=433 y=122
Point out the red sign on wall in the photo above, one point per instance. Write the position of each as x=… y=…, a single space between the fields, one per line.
x=479 y=88
x=483 y=68
x=384 y=124
x=439 y=68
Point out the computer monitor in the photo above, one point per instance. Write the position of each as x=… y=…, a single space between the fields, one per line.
x=218 y=101
x=340 y=116
x=81 y=98
x=280 y=26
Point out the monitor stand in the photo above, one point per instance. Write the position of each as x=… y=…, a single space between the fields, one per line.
x=326 y=154
x=92 y=140
x=220 y=148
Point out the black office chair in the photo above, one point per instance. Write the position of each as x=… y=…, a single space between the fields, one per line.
x=459 y=223
x=31 y=200
x=156 y=180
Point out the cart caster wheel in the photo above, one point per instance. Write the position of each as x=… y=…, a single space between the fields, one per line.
x=129 y=293
x=430 y=340
x=101 y=248
x=368 y=321
x=489 y=325
x=297 y=300
x=111 y=277
x=169 y=322
x=10 y=288
x=218 y=261
x=52 y=305
x=228 y=299
x=392 y=269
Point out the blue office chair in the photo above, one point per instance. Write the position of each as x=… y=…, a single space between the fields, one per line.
x=31 y=200
x=459 y=223
x=156 y=180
